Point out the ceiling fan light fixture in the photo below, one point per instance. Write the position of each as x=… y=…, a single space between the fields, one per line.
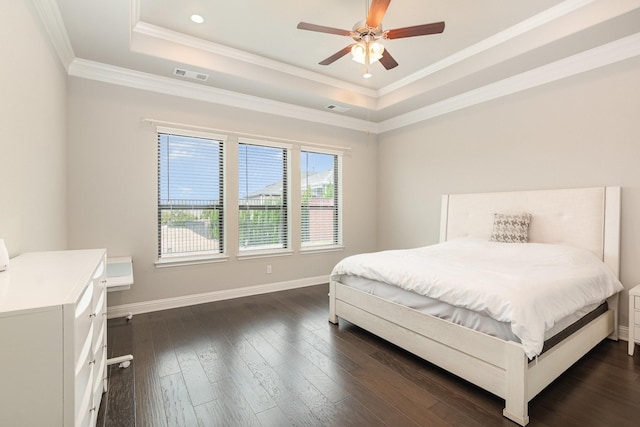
x=366 y=49
x=375 y=51
x=359 y=52
x=366 y=75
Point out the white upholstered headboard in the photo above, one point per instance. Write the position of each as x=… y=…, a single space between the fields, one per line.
x=588 y=218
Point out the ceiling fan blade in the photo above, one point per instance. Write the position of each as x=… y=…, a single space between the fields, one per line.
x=322 y=29
x=387 y=60
x=376 y=12
x=336 y=55
x=418 y=30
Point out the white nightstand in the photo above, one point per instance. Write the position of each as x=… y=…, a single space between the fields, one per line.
x=634 y=318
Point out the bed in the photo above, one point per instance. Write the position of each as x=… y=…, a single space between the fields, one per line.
x=585 y=218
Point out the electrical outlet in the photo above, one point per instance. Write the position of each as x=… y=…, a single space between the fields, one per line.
x=269 y=269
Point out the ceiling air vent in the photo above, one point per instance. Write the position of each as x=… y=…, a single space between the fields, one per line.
x=181 y=72
x=336 y=108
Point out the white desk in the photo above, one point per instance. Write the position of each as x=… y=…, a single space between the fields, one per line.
x=119 y=273
x=120 y=278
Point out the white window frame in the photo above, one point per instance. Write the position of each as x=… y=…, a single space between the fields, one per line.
x=185 y=259
x=261 y=253
x=336 y=246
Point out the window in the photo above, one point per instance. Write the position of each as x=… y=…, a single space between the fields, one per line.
x=320 y=207
x=190 y=193
x=263 y=217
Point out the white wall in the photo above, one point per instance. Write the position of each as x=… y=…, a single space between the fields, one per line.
x=33 y=139
x=582 y=131
x=579 y=132
x=113 y=188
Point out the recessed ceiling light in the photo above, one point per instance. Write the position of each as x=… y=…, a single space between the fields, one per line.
x=197 y=19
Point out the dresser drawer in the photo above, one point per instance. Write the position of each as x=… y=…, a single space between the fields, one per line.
x=99 y=336
x=99 y=284
x=84 y=419
x=85 y=352
x=100 y=371
x=83 y=321
x=636 y=302
x=100 y=327
x=99 y=374
x=84 y=391
x=99 y=270
x=99 y=295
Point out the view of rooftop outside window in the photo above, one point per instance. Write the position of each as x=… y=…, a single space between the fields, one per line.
x=262 y=193
x=319 y=204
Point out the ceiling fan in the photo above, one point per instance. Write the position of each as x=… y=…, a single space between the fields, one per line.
x=367 y=49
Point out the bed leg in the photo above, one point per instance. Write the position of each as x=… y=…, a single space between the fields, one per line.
x=516 y=403
x=614 y=304
x=332 y=303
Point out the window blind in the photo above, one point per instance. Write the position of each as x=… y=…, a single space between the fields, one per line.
x=190 y=195
x=320 y=214
x=262 y=194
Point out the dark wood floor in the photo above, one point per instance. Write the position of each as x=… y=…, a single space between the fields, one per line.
x=274 y=360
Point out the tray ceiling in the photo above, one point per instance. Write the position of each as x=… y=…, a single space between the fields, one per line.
x=251 y=51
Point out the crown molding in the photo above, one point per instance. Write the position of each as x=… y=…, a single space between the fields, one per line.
x=51 y=18
x=135 y=79
x=154 y=31
x=549 y=15
x=601 y=56
x=504 y=36
x=609 y=53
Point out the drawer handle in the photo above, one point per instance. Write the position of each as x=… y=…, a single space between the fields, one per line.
x=104 y=282
x=93 y=362
x=92 y=409
x=92 y=315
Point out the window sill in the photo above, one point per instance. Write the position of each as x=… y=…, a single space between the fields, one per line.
x=180 y=261
x=320 y=249
x=264 y=254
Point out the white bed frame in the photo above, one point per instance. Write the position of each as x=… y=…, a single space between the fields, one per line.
x=586 y=217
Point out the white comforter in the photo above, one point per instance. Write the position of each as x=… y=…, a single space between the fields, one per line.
x=529 y=285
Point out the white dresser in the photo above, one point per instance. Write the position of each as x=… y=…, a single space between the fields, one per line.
x=53 y=338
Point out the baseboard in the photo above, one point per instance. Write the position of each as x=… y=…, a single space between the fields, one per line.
x=184 y=301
